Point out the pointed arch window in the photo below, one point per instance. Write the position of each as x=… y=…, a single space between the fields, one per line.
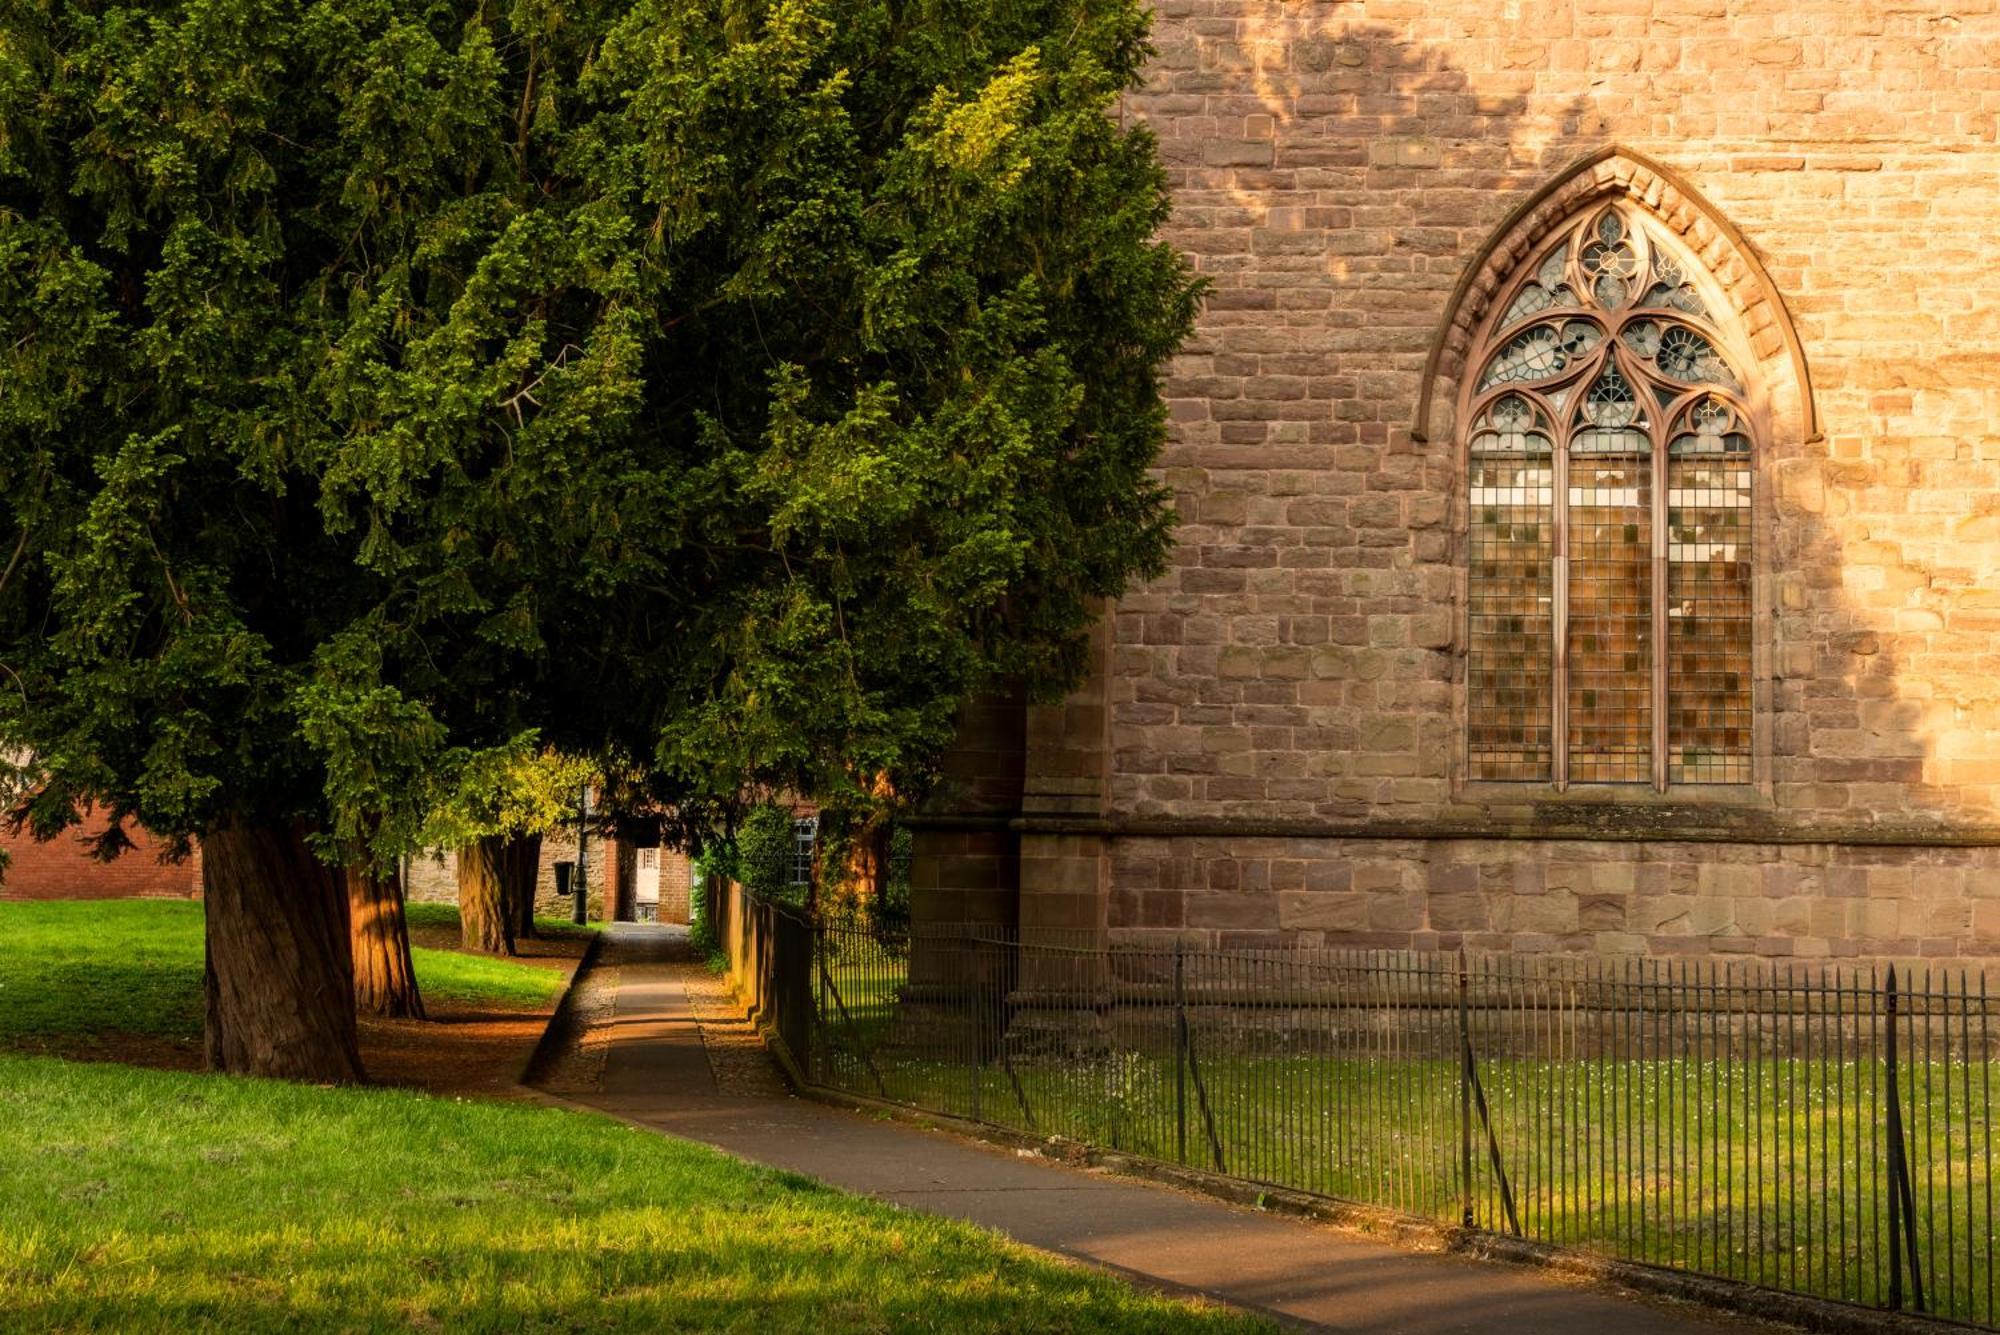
x=1609 y=446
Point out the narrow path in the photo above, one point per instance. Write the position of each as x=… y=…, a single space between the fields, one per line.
x=657 y=1072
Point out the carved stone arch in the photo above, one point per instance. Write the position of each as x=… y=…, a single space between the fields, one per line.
x=1756 y=309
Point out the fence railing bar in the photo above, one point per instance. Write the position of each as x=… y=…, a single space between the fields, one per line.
x=1719 y=1110
x=1201 y=1099
x=1902 y=1204
x=1799 y=1130
x=1986 y=1126
x=981 y=1032
x=1014 y=1079
x=854 y=1032
x=1965 y=1042
x=1928 y=1110
x=1465 y=1214
x=1492 y=1141
x=1905 y=1184
x=1688 y=1113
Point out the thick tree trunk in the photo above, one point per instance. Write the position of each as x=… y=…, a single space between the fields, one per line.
x=385 y=979
x=523 y=861
x=483 y=920
x=280 y=980
x=867 y=862
x=866 y=873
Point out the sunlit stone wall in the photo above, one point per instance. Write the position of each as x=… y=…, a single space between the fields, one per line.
x=1284 y=751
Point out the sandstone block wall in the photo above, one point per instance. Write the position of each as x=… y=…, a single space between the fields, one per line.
x=1284 y=711
x=1337 y=166
x=1808 y=902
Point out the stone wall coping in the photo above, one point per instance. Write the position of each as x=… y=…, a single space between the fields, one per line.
x=1568 y=823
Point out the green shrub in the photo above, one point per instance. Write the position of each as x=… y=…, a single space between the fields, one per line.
x=701 y=923
x=764 y=855
x=710 y=873
x=894 y=908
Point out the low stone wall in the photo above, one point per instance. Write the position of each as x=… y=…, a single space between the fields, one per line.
x=1810 y=901
x=769 y=952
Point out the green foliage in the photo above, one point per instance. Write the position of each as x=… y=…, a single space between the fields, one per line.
x=719 y=857
x=701 y=919
x=895 y=905
x=522 y=791
x=843 y=891
x=715 y=863
x=721 y=389
x=149 y=1201
x=764 y=848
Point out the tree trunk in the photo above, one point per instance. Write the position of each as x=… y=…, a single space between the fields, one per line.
x=385 y=979
x=280 y=979
x=866 y=873
x=524 y=871
x=483 y=920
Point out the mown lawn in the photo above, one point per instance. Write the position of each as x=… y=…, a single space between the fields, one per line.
x=96 y=969
x=436 y=919
x=154 y=1201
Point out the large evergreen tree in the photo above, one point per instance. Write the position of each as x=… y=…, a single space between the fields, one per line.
x=722 y=388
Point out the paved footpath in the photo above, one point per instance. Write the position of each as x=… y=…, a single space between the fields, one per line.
x=1305 y=1275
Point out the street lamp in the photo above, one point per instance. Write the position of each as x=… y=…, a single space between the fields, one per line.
x=582 y=910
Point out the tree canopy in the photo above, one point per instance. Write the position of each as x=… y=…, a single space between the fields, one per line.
x=726 y=387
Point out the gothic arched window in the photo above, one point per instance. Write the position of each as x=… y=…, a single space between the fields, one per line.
x=1609 y=445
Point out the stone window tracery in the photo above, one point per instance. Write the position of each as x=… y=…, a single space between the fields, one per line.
x=1609 y=465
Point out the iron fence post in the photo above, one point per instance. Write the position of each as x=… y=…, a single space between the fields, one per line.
x=1464 y=1097
x=1180 y=1054
x=978 y=1028
x=820 y=1068
x=1893 y=1127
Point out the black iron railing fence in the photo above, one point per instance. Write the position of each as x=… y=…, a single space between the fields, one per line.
x=1826 y=1131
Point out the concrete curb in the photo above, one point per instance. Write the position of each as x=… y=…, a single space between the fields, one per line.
x=560 y=1031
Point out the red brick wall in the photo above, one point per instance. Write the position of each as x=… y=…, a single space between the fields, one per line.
x=62 y=868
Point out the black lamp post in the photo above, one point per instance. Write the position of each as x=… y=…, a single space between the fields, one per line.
x=582 y=910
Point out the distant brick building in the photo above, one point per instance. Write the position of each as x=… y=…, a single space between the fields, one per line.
x=636 y=877
x=1588 y=466
x=62 y=868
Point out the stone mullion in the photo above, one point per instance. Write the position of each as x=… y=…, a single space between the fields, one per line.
x=1661 y=469
x=1559 y=615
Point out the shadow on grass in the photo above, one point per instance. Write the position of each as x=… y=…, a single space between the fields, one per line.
x=101 y=978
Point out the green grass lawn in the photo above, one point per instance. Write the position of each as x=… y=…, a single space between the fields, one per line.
x=153 y=1201
x=92 y=969
x=442 y=917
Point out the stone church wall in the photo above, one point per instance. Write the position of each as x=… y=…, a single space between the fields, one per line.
x=1284 y=712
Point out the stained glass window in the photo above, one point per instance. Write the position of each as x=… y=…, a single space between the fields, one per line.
x=1610 y=475
x=1512 y=542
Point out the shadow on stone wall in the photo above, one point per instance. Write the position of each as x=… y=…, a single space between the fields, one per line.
x=1298 y=663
